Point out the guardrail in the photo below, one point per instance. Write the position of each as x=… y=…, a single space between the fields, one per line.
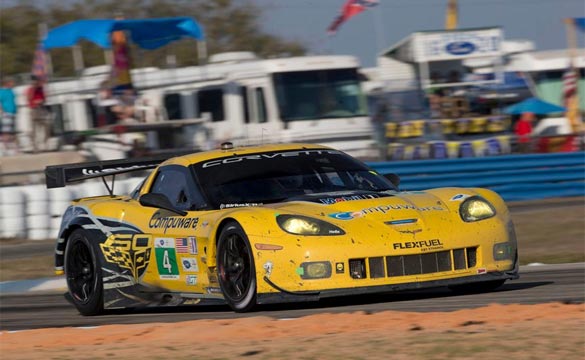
x=514 y=177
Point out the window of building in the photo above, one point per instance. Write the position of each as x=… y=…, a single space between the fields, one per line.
x=173 y=106
x=211 y=101
x=244 y=93
x=261 y=106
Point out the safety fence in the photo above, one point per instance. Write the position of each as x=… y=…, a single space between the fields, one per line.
x=33 y=212
x=514 y=177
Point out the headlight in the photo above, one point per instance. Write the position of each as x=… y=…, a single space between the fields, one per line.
x=303 y=225
x=475 y=209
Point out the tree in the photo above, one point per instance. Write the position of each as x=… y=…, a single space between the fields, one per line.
x=229 y=25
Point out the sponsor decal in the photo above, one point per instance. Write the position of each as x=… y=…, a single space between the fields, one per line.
x=131 y=252
x=192 y=245
x=229 y=206
x=481 y=270
x=348 y=215
x=424 y=245
x=190 y=265
x=268 y=268
x=236 y=159
x=116 y=169
x=459 y=197
x=172 y=222
x=214 y=290
x=191 y=301
x=339 y=268
x=460 y=48
x=334 y=200
x=166 y=258
x=386 y=208
x=191 y=280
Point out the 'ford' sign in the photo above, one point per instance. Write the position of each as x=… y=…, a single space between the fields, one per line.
x=460 y=48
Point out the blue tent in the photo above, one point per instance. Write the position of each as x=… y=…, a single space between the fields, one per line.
x=580 y=22
x=146 y=33
x=533 y=105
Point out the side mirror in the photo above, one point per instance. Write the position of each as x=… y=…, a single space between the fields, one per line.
x=159 y=201
x=394 y=179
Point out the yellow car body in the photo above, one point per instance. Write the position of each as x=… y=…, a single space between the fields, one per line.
x=373 y=242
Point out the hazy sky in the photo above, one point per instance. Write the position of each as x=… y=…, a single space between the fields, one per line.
x=392 y=20
x=380 y=27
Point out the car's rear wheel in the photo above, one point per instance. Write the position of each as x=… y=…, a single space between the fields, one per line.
x=479 y=287
x=83 y=273
x=235 y=267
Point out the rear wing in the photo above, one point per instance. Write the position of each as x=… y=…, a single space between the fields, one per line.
x=62 y=175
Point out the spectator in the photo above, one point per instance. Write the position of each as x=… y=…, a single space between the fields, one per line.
x=523 y=131
x=106 y=104
x=39 y=114
x=8 y=116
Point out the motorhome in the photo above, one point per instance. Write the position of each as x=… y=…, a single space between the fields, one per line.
x=235 y=96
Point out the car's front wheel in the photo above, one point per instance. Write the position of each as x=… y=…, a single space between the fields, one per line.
x=235 y=267
x=83 y=273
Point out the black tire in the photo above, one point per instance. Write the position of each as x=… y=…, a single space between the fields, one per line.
x=479 y=287
x=83 y=272
x=235 y=268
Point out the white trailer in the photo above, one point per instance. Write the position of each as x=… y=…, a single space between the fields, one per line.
x=241 y=98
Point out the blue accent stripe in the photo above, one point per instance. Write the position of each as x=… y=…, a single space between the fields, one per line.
x=400 y=222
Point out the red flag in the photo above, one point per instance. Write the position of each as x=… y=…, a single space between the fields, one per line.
x=39 y=67
x=350 y=9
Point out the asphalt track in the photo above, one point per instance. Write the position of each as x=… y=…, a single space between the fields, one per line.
x=537 y=284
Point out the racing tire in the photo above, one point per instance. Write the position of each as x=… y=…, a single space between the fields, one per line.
x=235 y=267
x=479 y=287
x=83 y=274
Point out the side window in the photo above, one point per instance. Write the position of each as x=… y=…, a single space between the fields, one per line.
x=211 y=101
x=174 y=182
x=261 y=105
x=173 y=106
x=136 y=192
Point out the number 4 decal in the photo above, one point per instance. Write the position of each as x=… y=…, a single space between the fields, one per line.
x=166 y=258
x=166 y=263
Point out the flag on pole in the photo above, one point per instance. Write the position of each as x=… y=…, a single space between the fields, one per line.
x=569 y=85
x=571 y=77
x=570 y=98
x=349 y=10
x=452 y=15
x=39 y=67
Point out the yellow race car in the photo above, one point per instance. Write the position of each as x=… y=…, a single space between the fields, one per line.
x=271 y=224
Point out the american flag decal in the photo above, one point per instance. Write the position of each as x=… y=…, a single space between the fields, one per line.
x=181 y=246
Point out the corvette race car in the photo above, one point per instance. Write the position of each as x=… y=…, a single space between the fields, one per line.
x=271 y=224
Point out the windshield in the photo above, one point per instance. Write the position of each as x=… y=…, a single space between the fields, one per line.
x=278 y=176
x=319 y=94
